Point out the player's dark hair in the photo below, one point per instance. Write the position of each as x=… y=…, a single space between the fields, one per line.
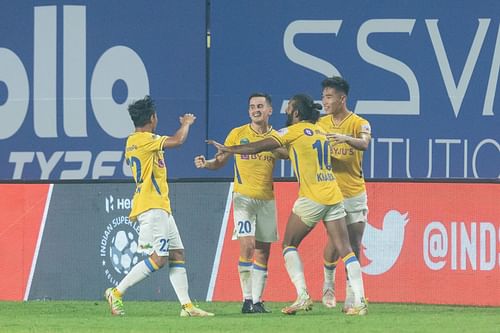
x=141 y=111
x=261 y=94
x=308 y=110
x=337 y=83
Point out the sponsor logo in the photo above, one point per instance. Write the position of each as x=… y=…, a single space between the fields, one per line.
x=118 y=248
x=308 y=132
x=119 y=203
x=38 y=93
x=383 y=246
x=119 y=241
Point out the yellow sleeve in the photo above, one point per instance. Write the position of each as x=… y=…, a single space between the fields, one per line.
x=363 y=127
x=231 y=138
x=286 y=135
x=162 y=141
x=154 y=143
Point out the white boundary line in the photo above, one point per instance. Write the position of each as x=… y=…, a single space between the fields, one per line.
x=39 y=241
x=223 y=228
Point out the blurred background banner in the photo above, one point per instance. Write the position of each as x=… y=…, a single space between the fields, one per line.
x=424 y=73
x=66 y=235
x=442 y=248
x=68 y=70
x=439 y=249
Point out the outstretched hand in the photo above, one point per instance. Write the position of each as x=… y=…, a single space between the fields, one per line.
x=337 y=138
x=220 y=147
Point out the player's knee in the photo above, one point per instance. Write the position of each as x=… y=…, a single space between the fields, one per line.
x=247 y=249
x=261 y=256
x=159 y=261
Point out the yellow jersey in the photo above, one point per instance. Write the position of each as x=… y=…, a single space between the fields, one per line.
x=309 y=152
x=144 y=154
x=347 y=161
x=253 y=174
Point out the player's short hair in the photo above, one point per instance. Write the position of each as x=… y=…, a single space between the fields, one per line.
x=261 y=94
x=141 y=111
x=307 y=108
x=337 y=83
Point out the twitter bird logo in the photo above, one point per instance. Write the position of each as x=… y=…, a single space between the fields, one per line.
x=383 y=246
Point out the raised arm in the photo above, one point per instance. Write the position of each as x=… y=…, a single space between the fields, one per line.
x=181 y=135
x=267 y=144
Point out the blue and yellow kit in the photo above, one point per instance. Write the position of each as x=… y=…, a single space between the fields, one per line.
x=144 y=154
x=253 y=174
x=346 y=159
x=309 y=152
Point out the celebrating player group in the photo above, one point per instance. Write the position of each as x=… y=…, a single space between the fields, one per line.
x=326 y=154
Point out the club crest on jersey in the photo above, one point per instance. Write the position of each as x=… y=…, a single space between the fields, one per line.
x=308 y=132
x=244 y=141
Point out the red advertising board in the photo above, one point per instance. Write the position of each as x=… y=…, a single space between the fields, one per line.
x=436 y=243
x=22 y=207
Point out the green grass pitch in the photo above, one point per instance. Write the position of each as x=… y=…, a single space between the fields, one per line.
x=86 y=316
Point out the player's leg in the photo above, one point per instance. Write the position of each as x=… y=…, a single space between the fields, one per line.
x=295 y=232
x=355 y=231
x=266 y=232
x=244 y=231
x=338 y=234
x=305 y=215
x=259 y=275
x=357 y=213
x=177 y=272
x=330 y=261
x=356 y=219
x=156 y=260
x=245 y=271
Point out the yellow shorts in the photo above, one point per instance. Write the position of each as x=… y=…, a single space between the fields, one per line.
x=254 y=217
x=158 y=233
x=356 y=209
x=311 y=212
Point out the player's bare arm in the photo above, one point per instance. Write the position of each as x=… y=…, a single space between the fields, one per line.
x=220 y=159
x=267 y=144
x=181 y=135
x=281 y=153
x=360 y=143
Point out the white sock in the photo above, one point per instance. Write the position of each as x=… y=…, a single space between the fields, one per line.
x=178 y=279
x=138 y=273
x=349 y=295
x=355 y=278
x=245 y=272
x=259 y=278
x=295 y=269
x=329 y=269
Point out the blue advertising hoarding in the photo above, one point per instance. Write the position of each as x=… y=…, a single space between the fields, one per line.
x=68 y=70
x=424 y=74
